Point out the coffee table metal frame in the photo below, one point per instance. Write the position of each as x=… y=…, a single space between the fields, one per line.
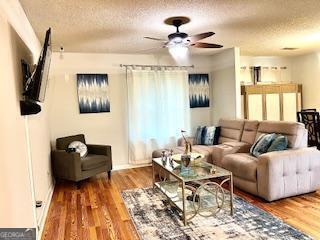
x=208 y=172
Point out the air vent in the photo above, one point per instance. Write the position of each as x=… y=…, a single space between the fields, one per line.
x=289 y=48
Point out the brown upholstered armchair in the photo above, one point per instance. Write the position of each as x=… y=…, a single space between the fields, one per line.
x=70 y=166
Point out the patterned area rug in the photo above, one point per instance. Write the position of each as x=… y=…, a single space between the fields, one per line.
x=154 y=218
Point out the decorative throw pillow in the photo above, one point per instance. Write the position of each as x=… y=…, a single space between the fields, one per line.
x=209 y=135
x=262 y=144
x=199 y=134
x=80 y=148
x=216 y=136
x=256 y=142
x=279 y=144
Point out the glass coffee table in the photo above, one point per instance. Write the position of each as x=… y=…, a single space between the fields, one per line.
x=194 y=190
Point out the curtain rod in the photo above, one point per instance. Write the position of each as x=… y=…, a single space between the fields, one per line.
x=263 y=67
x=141 y=65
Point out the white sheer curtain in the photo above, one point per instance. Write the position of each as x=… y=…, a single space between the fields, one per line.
x=158 y=104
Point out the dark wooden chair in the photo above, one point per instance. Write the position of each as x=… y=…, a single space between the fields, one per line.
x=311 y=120
x=309 y=110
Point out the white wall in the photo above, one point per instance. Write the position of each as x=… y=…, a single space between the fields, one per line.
x=16 y=193
x=25 y=141
x=225 y=85
x=104 y=128
x=306 y=71
x=303 y=69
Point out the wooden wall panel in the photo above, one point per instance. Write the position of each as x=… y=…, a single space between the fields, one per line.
x=271 y=101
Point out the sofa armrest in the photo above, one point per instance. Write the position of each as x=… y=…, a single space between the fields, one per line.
x=238 y=147
x=189 y=139
x=66 y=165
x=101 y=150
x=288 y=173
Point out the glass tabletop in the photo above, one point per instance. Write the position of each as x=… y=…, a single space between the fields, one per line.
x=198 y=170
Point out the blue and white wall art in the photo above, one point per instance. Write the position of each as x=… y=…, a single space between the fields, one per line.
x=199 y=92
x=93 y=93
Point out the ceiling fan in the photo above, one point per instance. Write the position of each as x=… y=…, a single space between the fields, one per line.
x=181 y=39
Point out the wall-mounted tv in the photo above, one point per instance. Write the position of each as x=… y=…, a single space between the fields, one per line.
x=35 y=83
x=35 y=87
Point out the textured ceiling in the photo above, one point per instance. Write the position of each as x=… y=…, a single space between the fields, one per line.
x=258 y=27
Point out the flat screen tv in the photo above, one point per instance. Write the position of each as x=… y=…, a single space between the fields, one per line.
x=35 y=86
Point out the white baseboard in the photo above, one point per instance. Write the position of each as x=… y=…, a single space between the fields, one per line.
x=45 y=210
x=128 y=166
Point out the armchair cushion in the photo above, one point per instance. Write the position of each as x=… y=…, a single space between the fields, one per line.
x=93 y=161
x=104 y=150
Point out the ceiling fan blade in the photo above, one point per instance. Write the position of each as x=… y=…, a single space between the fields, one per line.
x=149 y=50
x=206 y=45
x=200 y=36
x=156 y=39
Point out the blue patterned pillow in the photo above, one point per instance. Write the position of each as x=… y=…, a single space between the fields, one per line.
x=279 y=144
x=209 y=134
x=199 y=134
x=262 y=144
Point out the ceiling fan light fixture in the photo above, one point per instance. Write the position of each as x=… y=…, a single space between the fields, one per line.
x=177 y=40
x=178 y=50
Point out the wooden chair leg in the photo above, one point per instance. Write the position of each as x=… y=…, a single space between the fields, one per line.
x=109 y=174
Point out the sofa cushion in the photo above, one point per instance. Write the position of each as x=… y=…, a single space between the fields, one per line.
x=242 y=165
x=231 y=130
x=219 y=151
x=249 y=131
x=295 y=132
x=92 y=161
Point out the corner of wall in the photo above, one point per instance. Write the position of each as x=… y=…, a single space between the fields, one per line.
x=225 y=84
x=237 y=81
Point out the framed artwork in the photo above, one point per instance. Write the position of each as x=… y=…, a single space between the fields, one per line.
x=199 y=91
x=93 y=93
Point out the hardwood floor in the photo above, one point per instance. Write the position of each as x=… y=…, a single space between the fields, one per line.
x=95 y=210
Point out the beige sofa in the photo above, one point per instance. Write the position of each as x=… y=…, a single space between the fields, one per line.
x=273 y=175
